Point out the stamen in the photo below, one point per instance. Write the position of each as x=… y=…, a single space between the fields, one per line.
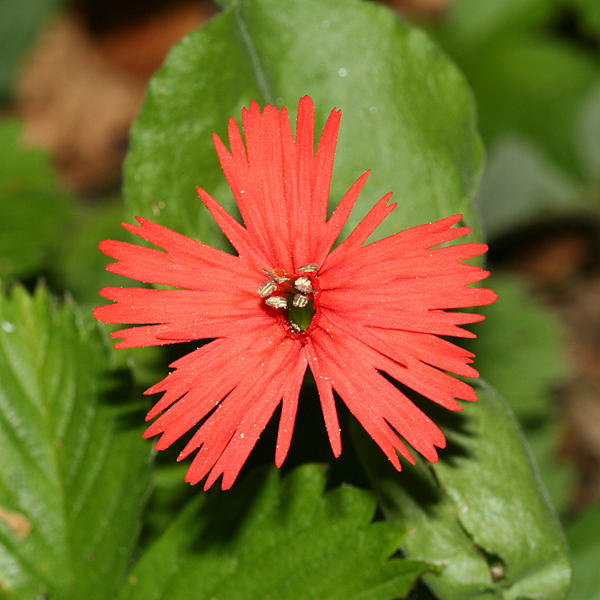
x=300 y=301
x=276 y=278
x=291 y=293
x=267 y=288
x=302 y=284
x=276 y=302
x=308 y=268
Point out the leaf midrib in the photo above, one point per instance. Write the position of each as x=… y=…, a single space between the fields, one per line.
x=260 y=75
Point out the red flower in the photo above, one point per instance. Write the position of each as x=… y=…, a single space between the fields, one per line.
x=287 y=301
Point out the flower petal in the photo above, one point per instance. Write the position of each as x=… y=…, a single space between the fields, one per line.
x=289 y=408
x=324 y=387
x=373 y=400
x=246 y=410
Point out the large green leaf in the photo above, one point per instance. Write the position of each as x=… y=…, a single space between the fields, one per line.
x=480 y=511
x=276 y=539
x=33 y=208
x=74 y=472
x=584 y=542
x=406 y=110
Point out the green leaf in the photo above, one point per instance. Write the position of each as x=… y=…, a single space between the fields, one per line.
x=472 y=22
x=74 y=472
x=558 y=474
x=34 y=209
x=584 y=542
x=480 y=511
x=19 y=22
x=527 y=337
x=521 y=186
x=519 y=348
x=588 y=135
x=170 y=492
x=80 y=266
x=276 y=539
x=407 y=112
x=590 y=13
x=531 y=86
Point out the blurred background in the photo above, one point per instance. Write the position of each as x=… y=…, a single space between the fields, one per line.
x=72 y=77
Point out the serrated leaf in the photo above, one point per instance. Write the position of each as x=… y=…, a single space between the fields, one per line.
x=584 y=542
x=276 y=539
x=480 y=511
x=74 y=470
x=521 y=186
x=33 y=208
x=407 y=112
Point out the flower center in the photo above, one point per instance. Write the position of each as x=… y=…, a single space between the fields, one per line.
x=293 y=296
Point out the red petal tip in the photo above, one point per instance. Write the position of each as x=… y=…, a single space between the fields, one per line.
x=308 y=101
x=105 y=245
x=225 y=485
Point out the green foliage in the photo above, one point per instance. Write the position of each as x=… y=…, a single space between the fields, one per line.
x=588 y=136
x=80 y=266
x=33 y=207
x=538 y=112
x=589 y=10
x=521 y=186
x=584 y=541
x=407 y=112
x=528 y=338
x=472 y=22
x=480 y=511
x=527 y=80
x=533 y=87
x=74 y=472
x=276 y=539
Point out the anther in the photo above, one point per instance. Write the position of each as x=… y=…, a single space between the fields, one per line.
x=308 y=268
x=302 y=284
x=276 y=302
x=267 y=288
x=300 y=301
x=275 y=277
